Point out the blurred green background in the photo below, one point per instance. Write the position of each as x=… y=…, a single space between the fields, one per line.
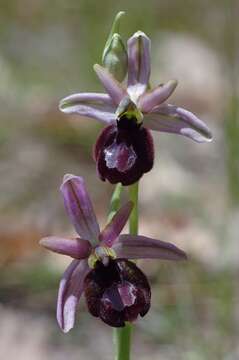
x=191 y=197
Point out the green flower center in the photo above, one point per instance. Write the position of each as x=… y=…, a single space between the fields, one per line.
x=101 y=253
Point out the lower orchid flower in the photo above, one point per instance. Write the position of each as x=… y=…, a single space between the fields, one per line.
x=124 y=150
x=115 y=289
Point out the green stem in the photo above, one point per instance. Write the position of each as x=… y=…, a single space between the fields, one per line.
x=122 y=336
x=115 y=201
x=134 y=217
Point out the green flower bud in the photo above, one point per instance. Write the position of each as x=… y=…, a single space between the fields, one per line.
x=115 y=57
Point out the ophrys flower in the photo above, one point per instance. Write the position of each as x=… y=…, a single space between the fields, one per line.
x=124 y=149
x=115 y=289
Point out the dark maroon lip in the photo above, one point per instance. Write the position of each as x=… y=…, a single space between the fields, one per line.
x=126 y=133
x=117 y=293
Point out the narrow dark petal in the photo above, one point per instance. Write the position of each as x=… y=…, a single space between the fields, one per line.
x=70 y=290
x=139 y=59
x=114 y=228
x=173 y=119
x=111 y=85
x=142 y=144
x=142 y=247
x=79 y=207
x=76 y=248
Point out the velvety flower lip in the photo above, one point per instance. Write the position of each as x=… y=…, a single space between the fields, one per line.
x=95 y=253
x=124 y=152
x=117 y=293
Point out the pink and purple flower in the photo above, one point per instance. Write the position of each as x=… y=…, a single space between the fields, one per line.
x=124 y=150
x=115 y=289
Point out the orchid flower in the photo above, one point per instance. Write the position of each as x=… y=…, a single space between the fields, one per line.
x=124 y=150
x=115 y=289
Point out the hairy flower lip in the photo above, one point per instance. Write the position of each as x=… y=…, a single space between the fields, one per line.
x=117 y=293
x=140 y=144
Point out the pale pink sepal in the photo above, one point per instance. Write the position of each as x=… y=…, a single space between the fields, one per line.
x=94 y=105
x=111 y=85
x=69 y=293
x=139 y=59
x=76 y=248
x=114 y=228
x=173 y=119
x=142 y=247
x=79 y=207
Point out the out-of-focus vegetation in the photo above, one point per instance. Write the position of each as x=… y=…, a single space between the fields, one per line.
x=191 y=197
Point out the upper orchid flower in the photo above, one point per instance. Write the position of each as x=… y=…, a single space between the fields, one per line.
x=124 y=149
x=115 y=289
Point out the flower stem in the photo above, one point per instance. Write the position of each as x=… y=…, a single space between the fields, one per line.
x=122 y=336
x=134 y=217
x=115 y=201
